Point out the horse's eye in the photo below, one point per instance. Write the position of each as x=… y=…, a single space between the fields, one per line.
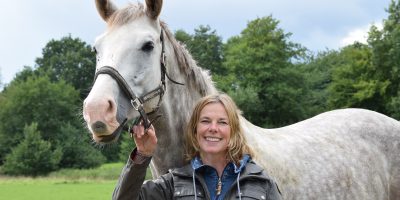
x=148 y=46
x=94 y=50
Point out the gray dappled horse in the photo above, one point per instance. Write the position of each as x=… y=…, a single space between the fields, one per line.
x=343 y=154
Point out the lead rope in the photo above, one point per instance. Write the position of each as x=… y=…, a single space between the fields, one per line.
x=238 y=187
x=194 y=187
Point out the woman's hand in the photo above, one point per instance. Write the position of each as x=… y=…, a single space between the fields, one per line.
x=146 y=140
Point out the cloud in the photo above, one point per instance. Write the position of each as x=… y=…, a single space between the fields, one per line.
x=359 y=34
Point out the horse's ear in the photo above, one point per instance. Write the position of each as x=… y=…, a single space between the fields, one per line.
x=153 y=8
x=105 y=8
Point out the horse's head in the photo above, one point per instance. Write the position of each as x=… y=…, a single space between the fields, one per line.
x=128 y=69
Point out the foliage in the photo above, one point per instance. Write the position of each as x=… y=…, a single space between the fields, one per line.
x=248 y=101
x=183 y=36
x=36 y=100
x=386 y=52
x=261 y=59
x=354 y=81
x=367 y=76
x=317 y=71
x=127 y=145
x=33 y=156
x=205 y=46
x=111 y=151
x=1 y=82
x=24 y=74
x=77 y=151
x=69 y=59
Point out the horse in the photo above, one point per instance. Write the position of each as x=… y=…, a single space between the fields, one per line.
x=142 y=71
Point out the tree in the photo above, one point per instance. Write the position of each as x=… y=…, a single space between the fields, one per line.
x=354 y=80
x=183 y=37
x=1 y=82
x=36 y=100
x=261 y=59
x=386 y=52
x=206 y=48
x=33 y=156
x=127 y=145
x=69 y=59
x=317 y=70
x=77 y=151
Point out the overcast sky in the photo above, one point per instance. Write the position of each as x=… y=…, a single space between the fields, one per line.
x=27 y=25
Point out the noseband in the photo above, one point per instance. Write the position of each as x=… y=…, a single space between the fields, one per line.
x=138 y=101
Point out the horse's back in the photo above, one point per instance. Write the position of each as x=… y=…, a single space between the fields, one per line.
x=350 y=153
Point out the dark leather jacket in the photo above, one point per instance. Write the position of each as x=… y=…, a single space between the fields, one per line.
x=178 y=184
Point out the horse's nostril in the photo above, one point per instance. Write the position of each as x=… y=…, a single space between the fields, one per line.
x=110 y=106
x=99 y=127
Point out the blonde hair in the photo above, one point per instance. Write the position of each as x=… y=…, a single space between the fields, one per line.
x=237 y=146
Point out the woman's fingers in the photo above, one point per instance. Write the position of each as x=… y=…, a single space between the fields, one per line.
x=138 y=130
x=152 y=134
x=146 y=140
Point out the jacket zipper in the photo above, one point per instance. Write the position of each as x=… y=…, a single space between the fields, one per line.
x=219 y=186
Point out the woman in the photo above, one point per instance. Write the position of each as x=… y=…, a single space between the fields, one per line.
x=220 y=160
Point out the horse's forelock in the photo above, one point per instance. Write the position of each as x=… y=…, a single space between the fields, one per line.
x=126 y=14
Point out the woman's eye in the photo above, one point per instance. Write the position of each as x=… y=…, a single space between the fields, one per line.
x=204 y=121
x=223 y=122
x=148 y=46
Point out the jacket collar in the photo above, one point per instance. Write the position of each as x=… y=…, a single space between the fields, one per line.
x=250 y=169
x=197 y=163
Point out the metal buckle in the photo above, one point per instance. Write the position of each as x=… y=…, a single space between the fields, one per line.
x=163 y=57
x=136 y=104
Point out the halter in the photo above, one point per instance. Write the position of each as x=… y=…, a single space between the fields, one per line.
x=137 y=102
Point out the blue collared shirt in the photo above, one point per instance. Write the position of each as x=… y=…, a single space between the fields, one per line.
x=228 y=177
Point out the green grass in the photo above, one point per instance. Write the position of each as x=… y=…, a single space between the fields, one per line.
x=109 y=171
x=66 y=184
x=49 y=189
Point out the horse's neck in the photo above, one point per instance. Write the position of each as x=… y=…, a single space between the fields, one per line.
x=176 y=109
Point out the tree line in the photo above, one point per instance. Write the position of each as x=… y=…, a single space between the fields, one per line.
x=274 y=81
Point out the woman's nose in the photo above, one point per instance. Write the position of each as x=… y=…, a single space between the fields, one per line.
x=213 y=126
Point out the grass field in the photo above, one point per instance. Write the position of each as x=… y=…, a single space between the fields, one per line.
x=53 y=189
x=96 y=184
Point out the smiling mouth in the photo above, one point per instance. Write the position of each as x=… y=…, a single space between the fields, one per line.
x=212 y=139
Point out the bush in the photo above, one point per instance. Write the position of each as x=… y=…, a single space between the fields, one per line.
x=33 y=156
x=77 y=150
x=127 y=145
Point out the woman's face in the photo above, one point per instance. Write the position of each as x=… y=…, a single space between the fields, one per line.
x=213 y=130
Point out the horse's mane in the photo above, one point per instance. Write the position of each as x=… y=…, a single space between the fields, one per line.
x=200 y=78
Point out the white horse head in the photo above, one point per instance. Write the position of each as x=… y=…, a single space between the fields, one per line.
x=132 y=46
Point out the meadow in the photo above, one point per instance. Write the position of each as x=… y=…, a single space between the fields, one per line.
x=66 y=184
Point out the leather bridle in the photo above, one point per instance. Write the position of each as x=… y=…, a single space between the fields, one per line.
x=138 y=101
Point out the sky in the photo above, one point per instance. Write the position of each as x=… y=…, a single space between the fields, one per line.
x=26 y=26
